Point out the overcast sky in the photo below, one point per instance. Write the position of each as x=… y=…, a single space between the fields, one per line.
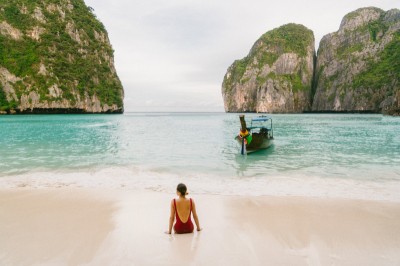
x=172 y=55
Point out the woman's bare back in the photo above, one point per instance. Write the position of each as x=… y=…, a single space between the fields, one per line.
x=183 y=209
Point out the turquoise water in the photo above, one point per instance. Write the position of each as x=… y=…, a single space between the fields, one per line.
x=199 y=147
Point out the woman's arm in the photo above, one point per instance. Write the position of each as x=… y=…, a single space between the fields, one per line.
x=171 y=218
x=195 y=217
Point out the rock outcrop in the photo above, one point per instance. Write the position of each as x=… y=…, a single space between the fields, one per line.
x=358 y=67
x=55 y=57
x=276 y=76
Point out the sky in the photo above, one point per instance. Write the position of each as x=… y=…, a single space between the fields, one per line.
x=172 y=55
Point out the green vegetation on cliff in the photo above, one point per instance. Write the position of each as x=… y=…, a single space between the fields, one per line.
x=289 y=38
x=61 y=42
x=387 y=68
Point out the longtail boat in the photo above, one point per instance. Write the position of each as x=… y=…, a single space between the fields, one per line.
x=258 y=136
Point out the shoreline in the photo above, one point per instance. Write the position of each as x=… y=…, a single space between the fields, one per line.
x=143 y=180
x=100 y=226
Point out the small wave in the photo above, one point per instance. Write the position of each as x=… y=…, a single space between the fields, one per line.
x=106 y=124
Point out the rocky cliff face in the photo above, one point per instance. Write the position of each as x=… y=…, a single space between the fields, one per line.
x=275 y=76
x=358 y=67
x=55 y=57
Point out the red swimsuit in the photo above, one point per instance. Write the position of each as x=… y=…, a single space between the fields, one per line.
x=180 y=227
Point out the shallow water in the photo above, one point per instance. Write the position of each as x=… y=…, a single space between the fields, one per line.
x=156 y=150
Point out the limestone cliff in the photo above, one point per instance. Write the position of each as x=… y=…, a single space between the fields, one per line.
x=358 y=67
x=275 y=76
x=55 y=57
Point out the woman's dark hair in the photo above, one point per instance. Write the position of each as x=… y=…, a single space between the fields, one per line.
x=182 y=189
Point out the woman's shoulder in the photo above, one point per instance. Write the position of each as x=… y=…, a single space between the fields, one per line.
x=176 y=200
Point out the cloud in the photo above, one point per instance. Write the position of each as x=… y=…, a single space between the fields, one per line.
x=182 y=28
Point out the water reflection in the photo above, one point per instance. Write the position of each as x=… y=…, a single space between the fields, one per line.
x=250 y=164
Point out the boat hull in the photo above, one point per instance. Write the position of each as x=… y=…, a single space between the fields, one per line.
x=258 y=144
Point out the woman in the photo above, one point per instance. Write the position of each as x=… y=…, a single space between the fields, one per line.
x=181 y=209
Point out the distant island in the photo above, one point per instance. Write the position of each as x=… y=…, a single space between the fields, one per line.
x=356 y=69
x=55 y=57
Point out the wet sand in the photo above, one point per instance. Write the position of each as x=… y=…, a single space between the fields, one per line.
x=119 y=227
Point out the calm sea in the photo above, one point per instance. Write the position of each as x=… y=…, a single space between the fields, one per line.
x=337 y=155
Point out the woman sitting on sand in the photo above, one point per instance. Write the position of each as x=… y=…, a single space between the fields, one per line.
x=181 y=208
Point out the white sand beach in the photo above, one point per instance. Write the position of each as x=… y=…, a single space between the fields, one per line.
x=120 y=227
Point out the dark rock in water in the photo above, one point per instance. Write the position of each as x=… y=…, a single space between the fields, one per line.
x=275 y=76
x=55 y=57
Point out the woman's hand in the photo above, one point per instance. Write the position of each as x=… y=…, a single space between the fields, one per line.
x=167 y=232
x=199 y=229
